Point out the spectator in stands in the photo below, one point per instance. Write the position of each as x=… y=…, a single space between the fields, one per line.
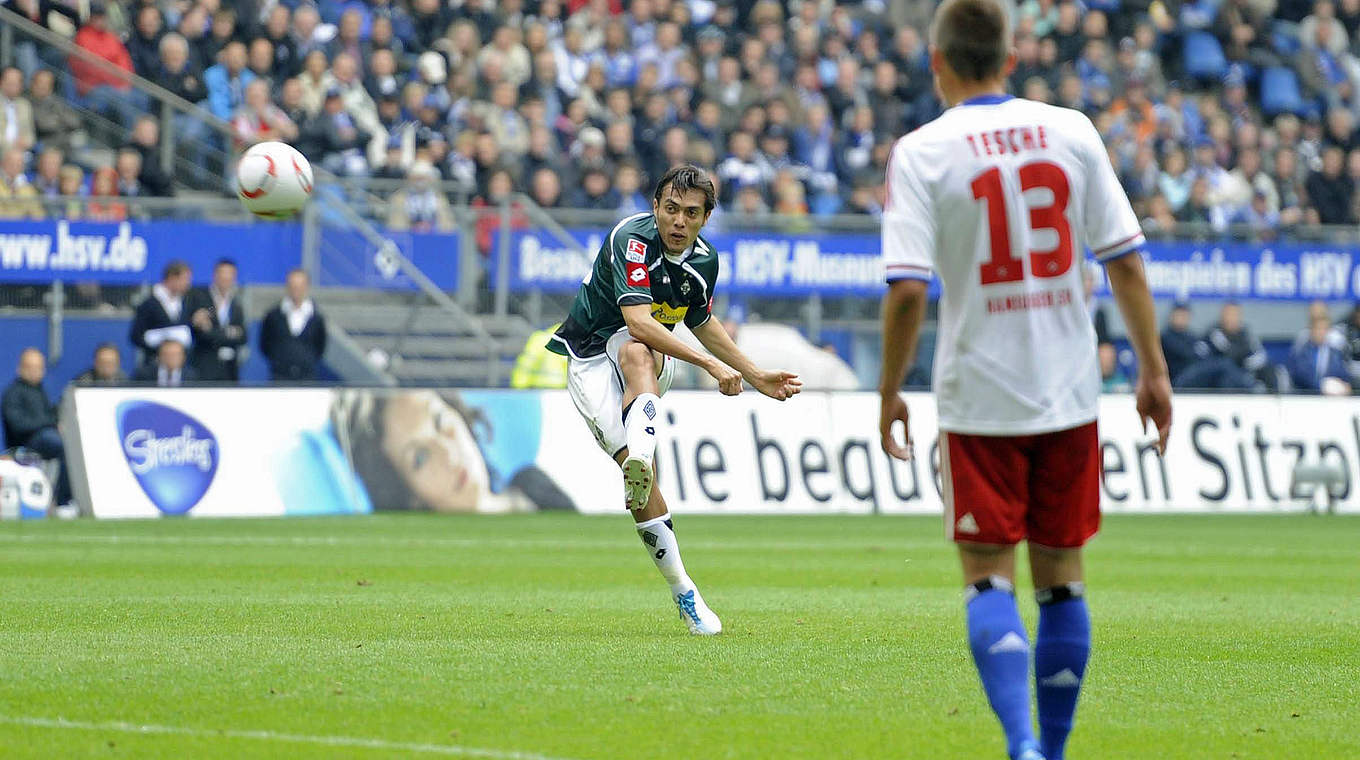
x=258 y=119
x=1348 y=331
x=336 y=139
x=71 y=184
x=286 y=60
x=1317 y=365
x=1231 y=339
x=226 y=81
x=358 y=103
x=102 y=90
x=55 y=123
x=547 y=189
x=1330 y=191
x=145 y=140
x=31 y=54
x=30 y=417
x=1112 y=376
x=595 y=192
x=106 y=369
x=145 y=41
x=218 y=321
x=170 y=368
x=47 y=173
x=162 y=315
x=104 y=205
x=260 y=60
x=177 y=71
x=16 y=113
x=628 y=187
x=421 y=205
x=128 y=166
x=223 y=31
x=18 y=198
x=293 y=334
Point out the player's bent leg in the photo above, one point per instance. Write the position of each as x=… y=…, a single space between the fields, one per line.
x=641 y=418
x=1063 y=644
x=996 y=636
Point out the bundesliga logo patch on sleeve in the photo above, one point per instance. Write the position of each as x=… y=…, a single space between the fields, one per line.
x=637 y=251
x=637 y=275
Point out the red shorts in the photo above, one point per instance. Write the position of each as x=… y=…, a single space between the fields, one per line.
x=1005 y=489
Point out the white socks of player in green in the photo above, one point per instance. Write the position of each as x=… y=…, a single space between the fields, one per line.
x=640 y=425
x=658 y=538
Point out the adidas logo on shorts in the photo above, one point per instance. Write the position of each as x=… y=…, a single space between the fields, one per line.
x=966 y=524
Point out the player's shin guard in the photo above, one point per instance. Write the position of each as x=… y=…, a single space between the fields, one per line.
x=640 y=423
x=658 y=538
x=1001 y=652
x=1060 y=653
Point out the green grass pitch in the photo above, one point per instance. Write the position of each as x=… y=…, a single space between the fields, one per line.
x=551 y=636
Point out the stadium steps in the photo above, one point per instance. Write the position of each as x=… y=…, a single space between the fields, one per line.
x=424 y=348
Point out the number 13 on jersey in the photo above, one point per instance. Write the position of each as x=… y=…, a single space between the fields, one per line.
x=1004 y=265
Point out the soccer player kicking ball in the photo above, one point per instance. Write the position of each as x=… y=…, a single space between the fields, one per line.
x=1000 y=197
x=653 y=271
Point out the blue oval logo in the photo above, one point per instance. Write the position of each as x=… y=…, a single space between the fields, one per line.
x=172 y=455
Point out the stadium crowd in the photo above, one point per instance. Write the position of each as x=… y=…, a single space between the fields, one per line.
x=1240 y=111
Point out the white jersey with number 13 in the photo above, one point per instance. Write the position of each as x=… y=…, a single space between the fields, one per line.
x=1001 y=198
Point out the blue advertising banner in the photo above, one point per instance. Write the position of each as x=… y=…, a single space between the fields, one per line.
x=133 y=253
x=751 y=263
x=849 y=264
x=350 y=260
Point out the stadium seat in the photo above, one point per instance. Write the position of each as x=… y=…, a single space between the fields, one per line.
x=1204 y=57
x=1280 y=92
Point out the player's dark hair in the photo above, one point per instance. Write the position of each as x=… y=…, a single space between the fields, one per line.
x=174 y=268
x=973 y=36
x=684 y=178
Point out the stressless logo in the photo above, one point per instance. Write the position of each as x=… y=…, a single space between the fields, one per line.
x=172 y=455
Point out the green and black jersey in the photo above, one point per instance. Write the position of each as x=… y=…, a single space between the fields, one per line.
x=631 y=269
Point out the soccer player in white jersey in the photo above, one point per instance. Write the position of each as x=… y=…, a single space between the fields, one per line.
x=1000 y=198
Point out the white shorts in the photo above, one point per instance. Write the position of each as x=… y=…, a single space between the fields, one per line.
x=596 y=387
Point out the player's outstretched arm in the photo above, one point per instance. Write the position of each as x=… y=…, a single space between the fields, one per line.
x=1153 y=391
x=775 y=383
x=904 y=309
x=646 y=330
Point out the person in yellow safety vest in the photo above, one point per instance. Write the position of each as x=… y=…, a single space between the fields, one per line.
x=537 y=367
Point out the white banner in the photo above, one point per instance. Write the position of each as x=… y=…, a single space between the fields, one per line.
x=820 y=453
x=146 y=452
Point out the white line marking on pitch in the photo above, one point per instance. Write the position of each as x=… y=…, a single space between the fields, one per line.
x=329 y=741
x=829 y=544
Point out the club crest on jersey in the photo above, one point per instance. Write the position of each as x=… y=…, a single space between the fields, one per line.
x=685 y=287
x=637 y=275
x=637 y=251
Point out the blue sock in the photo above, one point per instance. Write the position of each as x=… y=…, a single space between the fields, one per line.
x=1001 y=653
x=1060 y=653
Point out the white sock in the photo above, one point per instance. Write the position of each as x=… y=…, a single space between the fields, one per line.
x=644 y=415
x=659 y=540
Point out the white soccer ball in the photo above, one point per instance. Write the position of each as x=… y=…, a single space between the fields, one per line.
x=273 y=180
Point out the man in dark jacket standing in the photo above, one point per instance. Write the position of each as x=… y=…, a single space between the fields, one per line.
x=218 y=319
x=293 y=335
x=30 y=418
x=162 y=315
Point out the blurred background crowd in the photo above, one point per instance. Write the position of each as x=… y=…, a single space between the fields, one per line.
x=1217 y=112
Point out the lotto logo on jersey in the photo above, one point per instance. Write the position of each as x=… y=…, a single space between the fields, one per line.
x=637 y=251
x=637 y=275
